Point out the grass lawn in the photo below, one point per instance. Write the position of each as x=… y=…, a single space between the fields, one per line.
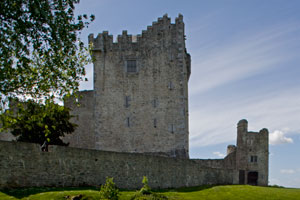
x=230 y=192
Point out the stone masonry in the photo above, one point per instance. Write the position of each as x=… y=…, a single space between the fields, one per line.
x=252 y=155
x=25 y=165
x=140 y=97
x=134 y=124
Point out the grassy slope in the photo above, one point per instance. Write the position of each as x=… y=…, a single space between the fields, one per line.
x=244 y=192
x=205 y=193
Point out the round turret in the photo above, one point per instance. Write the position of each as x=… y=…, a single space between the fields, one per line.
x=264 y=131
x=242 y=126
x=243 y=121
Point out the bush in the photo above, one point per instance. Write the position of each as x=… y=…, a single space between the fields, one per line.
x=145 y=193
x=109 y=190
x=145 y=189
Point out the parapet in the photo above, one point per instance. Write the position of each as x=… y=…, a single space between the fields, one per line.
x=162 y=29
x=264 y=131
x=242 y=126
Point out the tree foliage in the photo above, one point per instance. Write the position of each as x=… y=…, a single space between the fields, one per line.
x=40 y=53
x=37 y=123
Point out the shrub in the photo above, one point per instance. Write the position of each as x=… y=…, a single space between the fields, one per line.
x=145 y=189
x=145 y=193
x=109 y=190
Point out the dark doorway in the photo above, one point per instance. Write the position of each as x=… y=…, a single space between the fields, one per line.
x=252 y=178
x=242 y=177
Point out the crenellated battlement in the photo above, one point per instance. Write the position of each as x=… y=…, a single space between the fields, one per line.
x=138 y=80
x=162 y=29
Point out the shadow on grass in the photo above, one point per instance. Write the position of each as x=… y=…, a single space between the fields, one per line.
x=185 y=189
x=20 y=193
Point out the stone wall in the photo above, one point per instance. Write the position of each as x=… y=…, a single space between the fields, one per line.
x=6 y=136
x=145 y=111
x=82 y=111
x=24 y=165
x=252 y=144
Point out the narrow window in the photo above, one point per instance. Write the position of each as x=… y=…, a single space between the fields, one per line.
x=155 y=123
x=128 y=122
x=170 y=85
x=171 y=56
x=172 y=128
x=154 y=103
x=127 y=100
x=131 y=66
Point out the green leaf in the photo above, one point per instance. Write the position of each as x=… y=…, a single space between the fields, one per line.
x=40 y=54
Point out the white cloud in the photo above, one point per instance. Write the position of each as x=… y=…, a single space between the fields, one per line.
x=219 y=154
x=277 y=137
x=243 y=56
x=213 y=119
x=287 y=171
x=214 y=122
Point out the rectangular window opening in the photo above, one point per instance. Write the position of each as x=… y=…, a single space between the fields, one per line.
x=155 y=123
x=127 y=99
x=170 y=85
x=131 y=66
x=154 y=103
x=253 y=159
x=128 y=122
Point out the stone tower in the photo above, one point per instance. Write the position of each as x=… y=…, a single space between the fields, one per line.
x=140 y=97
x=252 y=155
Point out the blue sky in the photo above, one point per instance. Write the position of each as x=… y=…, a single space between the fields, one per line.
x=245 y=64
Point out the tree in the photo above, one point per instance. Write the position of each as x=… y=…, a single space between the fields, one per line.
x=37 y=123
x=109 y=190
x=41 y=55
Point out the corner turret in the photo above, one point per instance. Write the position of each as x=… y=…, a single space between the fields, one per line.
x=252 y=155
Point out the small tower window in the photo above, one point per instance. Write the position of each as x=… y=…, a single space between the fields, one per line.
x=154 y=103
x=170 y=85
x=127 y=100
x=171 y=128
x=253 y=159
x=249 y=142
x=131 y=66
x=154 y=123
x=128 y=122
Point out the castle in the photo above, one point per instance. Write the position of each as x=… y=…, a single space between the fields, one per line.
x=135 y=123
x=140 y=97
